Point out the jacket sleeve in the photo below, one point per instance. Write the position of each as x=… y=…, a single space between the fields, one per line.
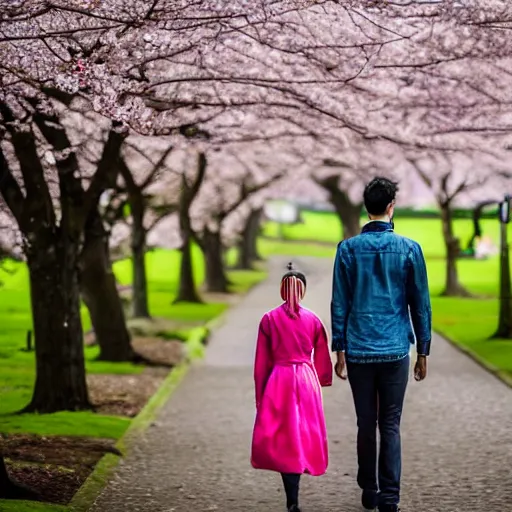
x=418 y=297
x=322 y=357
x=263 y=359
x=341 y=299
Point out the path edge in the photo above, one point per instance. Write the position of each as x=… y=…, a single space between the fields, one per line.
x=104 y=470
x=495 y=372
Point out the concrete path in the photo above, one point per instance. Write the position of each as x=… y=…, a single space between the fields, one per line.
x=457 y=432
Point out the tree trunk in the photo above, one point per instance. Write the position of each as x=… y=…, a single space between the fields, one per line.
x=216 y=279
x=99 y=291
x=187 y=289
x=244 y=260
x=140 y=284
x=248 y=244
x=349 y=213
x=453 y=288
x=505 y=315
x=60 y=367
x=254 y=229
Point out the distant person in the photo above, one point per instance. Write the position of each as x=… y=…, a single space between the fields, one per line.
x=380 y=305
x=292 y=363
x=484 y=248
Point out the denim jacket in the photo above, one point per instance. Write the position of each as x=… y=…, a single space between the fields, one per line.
x=380 y=299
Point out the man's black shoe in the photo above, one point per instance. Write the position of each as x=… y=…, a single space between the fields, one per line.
x=389 y=508
x=369 y=500
x=294 y=508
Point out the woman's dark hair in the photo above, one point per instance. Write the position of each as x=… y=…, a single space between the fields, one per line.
x=294 y=273
x=378 y=194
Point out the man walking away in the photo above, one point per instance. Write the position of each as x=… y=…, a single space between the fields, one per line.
x=380 y=288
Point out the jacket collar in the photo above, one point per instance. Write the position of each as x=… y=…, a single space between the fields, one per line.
x=377 y=226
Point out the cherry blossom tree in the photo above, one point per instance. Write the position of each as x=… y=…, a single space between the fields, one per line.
x=451 y=175
x=190 y=186
x=230 y=181
x=47 y=197
x=157 y=66
x=127 y=60
x=416 y=74
x=344 y=186
x=344 y=176
x=87 y=135
x=137 y=185
x=100 y=294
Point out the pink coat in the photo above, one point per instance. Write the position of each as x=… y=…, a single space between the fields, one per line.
x=292 y=362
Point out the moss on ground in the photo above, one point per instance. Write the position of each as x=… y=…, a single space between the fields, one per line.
x=30 y=506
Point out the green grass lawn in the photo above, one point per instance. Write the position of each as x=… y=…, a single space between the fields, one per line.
x=325 y=227
x=468 y=322
x=17 y=367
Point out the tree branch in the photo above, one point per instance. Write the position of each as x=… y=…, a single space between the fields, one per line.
x=107 y=171
x=161 y=212
x=71 y=191
x=202 y=163
x=156 y=168
x=246 y=192
x=38 y=204
x=11 y=191
x=189 y=193
x=423 y=175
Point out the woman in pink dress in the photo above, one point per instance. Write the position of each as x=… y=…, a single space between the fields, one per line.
x=292 y=363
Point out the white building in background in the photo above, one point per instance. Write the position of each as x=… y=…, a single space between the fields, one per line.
x=282 y=211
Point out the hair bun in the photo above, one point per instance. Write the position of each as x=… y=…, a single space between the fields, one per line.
x=289 y=266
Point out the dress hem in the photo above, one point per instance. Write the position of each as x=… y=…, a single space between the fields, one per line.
x=283 y=470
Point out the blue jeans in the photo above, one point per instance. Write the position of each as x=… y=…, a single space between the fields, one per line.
x=379 y=391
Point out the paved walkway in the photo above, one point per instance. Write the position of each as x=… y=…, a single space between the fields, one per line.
x=457 y=433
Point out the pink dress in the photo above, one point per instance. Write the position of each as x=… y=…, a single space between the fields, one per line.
x=292 y=362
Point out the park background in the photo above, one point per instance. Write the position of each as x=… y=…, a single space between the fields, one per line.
x=55 y=453
x=145 y=153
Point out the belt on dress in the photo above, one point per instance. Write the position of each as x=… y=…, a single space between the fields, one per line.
x=292 y=363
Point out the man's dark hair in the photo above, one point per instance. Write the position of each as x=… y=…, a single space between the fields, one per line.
x=378 y=194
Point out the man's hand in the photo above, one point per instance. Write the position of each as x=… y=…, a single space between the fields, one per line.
x=340 y=366
x=420 y=370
